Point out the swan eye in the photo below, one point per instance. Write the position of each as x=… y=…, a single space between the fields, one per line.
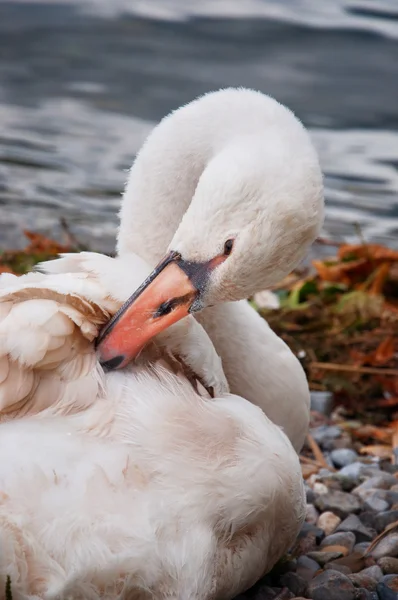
x=229 y=244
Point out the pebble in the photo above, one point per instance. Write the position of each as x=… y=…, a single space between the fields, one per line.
x=352 y=472
x=328 y=521
x=352 y=523
x=381 y=481
x=374 y=572
x=304 y=562
x=311 y=514
x=388 y=564
x=362 y=580
x=296 y=584
x=391 y=581
x=388 y=546
x=361 y=547
x=385 y=593
x=322 y=558
x=376 y=504
x=335 y=566
x=341 y=457
x=331 y=585
x=385 y=518
x=322 y=402
x=343 y=538
x=325 y=433
x=340 y=503
x=309 y=494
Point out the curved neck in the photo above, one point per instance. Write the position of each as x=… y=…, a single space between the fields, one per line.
x=166 y=172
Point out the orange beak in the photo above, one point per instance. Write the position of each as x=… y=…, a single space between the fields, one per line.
x=165 y=297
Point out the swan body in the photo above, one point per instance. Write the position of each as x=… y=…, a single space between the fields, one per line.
x=127 y=484
x=132 y=483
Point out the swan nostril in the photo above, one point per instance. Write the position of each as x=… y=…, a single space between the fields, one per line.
x=165 y=308
x=112 y=363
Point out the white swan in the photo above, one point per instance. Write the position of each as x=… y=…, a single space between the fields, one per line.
x=233 y=165
x=129 y=484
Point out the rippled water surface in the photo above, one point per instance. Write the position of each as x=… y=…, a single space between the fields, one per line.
x=83 y=82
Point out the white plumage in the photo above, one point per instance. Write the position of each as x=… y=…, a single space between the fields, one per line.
x=132 y=484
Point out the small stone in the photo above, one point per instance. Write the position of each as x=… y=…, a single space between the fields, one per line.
x=352 y=523
x=340 y=503
x=265 y=592
x=391 y=581
x=322 y=558
x=388 y=546
x=384 y=519
x=303 y=562
x=361 y=547
x=388 y=565
x=335 y=566
x=343 y=538
x=352 y=471
x=328 y=521
x=362 y=594
x=322 y=402
x=368 y=518
x=362 y=580
x=325 y=433
x=309 y=494
x=374 y=572
x=342 y=457
x=320 y=489
x=385 y=593
x=295 y=583
x=311 y=530
x=311 y=514
x=355 y=562
x=331 y=585
x=381 y=481
x=376 y=504
x=391 y=496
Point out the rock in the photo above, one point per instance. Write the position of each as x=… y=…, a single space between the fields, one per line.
x=376 y=504
x=331 y=585
x=308 y=529
x=320 y=489
x=304 y=562
x=385 y=593
x=265 y=592
x=322 y=402
x=352 y=471
x=325 y=433
x=388 y=565
x=340 y=503
x=352 y=523
x=355 y=562
x=368 y=518
x=341 y=457
x=322 y=558
x=374 y=572
x=391 y=496
x=381 y=481
x=328 y=521
x=309 y=494
x=334 y=566
x=363 y=581
x=311 y=514
x=343 y=538
x=362 y=594
x=361 y=547
x=385 y=518
x=391 y=581
x=295 y=583
x=388 y=546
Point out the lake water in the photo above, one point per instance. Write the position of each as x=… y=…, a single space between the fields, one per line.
x=83 y=82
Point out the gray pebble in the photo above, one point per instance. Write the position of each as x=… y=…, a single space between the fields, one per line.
x=380 y=481
x=322 y=558
x=311 y=514
x=352 y=523
x=325 y=432
x=386 y=593
x=385 y=518
x=295 y=583
x=341 y=503
x=309 y=494
x=304 y=562
x=388 y=565
x=335 y=566
x=388 y=546
x=343 y=538
x=374 y=572
x=331 y=585
x=342 y=457
x=361 y=547
x=362 y=580
x=391 y=496
x=352 y=471
x=322 y=402
x=376 y=504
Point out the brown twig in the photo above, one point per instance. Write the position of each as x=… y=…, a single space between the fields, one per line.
x=317 y=452
x=353 y=369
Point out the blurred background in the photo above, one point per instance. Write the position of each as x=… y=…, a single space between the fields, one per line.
x=82 y=82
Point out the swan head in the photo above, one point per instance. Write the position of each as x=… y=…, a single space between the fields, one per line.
x=257 y=207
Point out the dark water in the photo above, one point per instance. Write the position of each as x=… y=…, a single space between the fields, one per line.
x=82 y=83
